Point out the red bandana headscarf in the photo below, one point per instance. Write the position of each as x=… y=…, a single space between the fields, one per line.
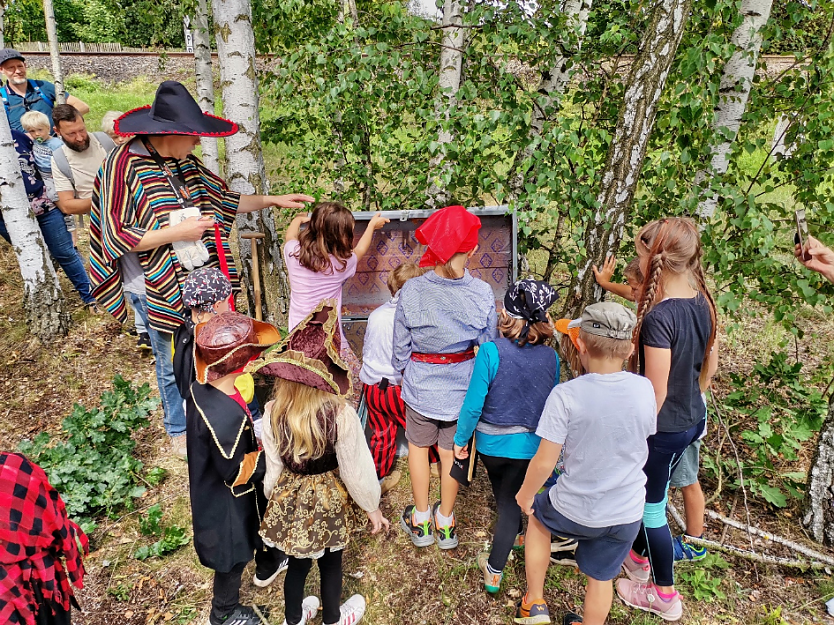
x=447 y=232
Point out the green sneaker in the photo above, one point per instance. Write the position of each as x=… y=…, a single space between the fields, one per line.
x=446 y=537
x=421 y=534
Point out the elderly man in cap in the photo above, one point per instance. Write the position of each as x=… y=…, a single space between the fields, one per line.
x=159 y=213
x=20 y=94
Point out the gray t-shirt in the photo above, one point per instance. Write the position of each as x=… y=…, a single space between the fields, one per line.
x=133 y=278
x=603 y=422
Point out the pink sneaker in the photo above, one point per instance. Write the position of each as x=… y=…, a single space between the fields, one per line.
x=645 y=597
x=635 y=571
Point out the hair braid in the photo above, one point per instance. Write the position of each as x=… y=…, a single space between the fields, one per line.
x=648 y=293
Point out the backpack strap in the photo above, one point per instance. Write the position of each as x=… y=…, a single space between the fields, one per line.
x=63 y=165
x=36 y=88
x=5 y=95
x=105 y=141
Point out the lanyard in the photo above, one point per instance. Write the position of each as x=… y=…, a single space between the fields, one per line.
x=180 y=189
x=177 y=184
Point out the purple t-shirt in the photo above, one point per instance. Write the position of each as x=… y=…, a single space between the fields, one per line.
x=308 y=288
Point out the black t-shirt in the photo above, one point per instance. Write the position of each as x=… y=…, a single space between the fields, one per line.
x=682 y=325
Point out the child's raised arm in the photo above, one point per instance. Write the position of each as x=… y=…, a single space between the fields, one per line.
x=377 y=221
x=295 y=226
x=603 y=278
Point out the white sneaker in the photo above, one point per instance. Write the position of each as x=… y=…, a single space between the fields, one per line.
x=352 y=610
x=309 y=609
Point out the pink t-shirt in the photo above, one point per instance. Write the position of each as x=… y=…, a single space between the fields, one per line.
x=308 y=288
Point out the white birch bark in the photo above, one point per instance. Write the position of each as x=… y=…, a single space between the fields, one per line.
x=733 y=93
x=552 y=84
x=348 y=8
x=205 y=81
x=627 y=151
x=42 y=296
x=819 y=503
x=2 y=24
x=245 y=169
x=451 y=63
x=54 y=54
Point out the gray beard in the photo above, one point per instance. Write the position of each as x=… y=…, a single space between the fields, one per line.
x=18 y=81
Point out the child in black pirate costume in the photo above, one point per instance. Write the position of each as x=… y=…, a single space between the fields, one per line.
x=225 y=464
x=206 y=292
x=319 y=470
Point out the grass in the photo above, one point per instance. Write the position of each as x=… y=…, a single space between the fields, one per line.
x=402 y=584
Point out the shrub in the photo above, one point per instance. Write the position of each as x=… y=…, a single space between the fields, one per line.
x=94 y=469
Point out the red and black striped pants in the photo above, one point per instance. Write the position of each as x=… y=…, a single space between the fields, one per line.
x=386 y=414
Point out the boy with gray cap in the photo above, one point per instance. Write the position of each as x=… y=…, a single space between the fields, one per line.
x=602 y=419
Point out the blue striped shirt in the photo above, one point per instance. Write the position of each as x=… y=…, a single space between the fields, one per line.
x=436 y=315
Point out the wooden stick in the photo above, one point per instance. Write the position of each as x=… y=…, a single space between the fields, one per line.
x=472 y=462
x=256 y=275
x=819 y=560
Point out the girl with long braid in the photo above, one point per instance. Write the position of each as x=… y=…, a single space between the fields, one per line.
x=675 y=349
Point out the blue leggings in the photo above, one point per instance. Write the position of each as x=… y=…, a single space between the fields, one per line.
x=654 y=538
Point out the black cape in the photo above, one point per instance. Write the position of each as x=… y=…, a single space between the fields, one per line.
x=184 y=372
x=225 y=517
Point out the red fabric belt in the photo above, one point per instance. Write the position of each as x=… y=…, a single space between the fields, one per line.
x=443 y=359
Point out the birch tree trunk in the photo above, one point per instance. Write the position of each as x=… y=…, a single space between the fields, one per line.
x=54 y=54
x=205 y=81
x=819 y=503
x=42 y=296
x=245 y=171
x=628 y=146
x=733 y=90
x=2 y=23
x=552 y=84
x=451 y=62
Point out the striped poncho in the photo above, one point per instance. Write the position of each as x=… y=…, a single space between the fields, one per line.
x=132 y=196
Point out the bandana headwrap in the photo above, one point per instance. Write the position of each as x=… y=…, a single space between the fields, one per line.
x=205 y=287
x=529 y=299
x=447 y=232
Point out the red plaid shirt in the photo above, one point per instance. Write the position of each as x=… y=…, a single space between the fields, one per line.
x=35 y=535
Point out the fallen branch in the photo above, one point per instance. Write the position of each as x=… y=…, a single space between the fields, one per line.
x=260 y=615
x=820 y=561
x=816 y=555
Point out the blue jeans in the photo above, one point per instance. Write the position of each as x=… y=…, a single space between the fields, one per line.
x=59 y=243
x=162 y=344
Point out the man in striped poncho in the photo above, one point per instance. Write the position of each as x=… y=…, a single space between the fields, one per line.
x=158 y=213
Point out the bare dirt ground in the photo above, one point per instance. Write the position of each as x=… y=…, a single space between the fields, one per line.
x=39 y=384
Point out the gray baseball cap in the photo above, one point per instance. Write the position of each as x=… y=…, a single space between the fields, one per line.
x=7 y=54
x=608 y=319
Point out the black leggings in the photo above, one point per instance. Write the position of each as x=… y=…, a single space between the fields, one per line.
x=655 y=538
x=330 y=569
x=226 y=595
x=506 y=476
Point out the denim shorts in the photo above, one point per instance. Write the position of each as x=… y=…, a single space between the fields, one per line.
x=601 y=550
x=686 y=473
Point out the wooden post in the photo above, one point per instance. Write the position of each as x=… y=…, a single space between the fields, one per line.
x=256 y=275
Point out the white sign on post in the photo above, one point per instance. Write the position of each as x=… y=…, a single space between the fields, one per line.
x=189 y=37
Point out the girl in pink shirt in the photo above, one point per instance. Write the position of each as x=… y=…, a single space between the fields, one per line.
x=321 y=258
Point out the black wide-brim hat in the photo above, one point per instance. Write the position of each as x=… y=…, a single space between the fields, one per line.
x=173 y=112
